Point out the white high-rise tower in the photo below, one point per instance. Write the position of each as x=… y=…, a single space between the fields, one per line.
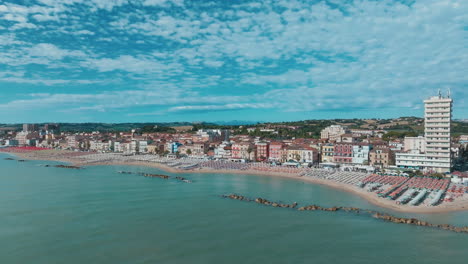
x=437 y=121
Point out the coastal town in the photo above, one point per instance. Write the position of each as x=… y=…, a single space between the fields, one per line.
x=417 y=170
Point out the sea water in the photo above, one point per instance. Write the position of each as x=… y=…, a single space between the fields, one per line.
x=97 y=215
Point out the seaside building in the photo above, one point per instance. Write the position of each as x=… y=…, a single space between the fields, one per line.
x=437 y=121
x=199 y=148
x=223 y=150
x=142 y=146
x=21 y=137
x=302 y=154
x=328 y=151
x=343 y=153
x=381 y=157
x=243 y=150
x=275 y=151
x=100 y=145
x=172 y=147
x=361 y=153
x=411 y=160
x=262 y=152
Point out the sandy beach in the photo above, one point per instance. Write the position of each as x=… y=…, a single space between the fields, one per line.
x=63 y=156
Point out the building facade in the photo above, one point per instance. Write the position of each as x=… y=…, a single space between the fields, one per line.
x=333 y=132
x=381 y=157
x=263 y=151
x=437 y=121
x=361 y=153
x=328 y=151
x=415 y=143
x=343 y=153
x=275 y=151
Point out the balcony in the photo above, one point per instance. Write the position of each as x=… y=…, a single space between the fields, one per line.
x=444 y=125
x=436 y=151
x=429 y=141
x=444 y=120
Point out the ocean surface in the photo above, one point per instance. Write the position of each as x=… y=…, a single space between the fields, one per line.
x=96 y=215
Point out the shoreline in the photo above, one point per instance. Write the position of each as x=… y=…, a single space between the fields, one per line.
x=368 y=196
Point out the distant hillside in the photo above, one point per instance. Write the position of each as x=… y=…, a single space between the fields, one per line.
x=305 y=128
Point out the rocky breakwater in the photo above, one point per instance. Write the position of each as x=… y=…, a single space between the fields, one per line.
x=66 y=167
x=182 y=179
x=417 y=222
x=374 y=214
x=151 y=175
x=9 y=159
x=331 y=209
x=260 y=201
x=162 y=176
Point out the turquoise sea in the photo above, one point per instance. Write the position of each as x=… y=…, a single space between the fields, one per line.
x=96 y=215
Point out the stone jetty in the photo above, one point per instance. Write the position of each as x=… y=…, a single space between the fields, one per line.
x=260 y=201
x=162 y=176
x=66 y=167
x=374 y=214
x=183 y=179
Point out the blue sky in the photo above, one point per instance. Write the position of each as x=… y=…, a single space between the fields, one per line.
x=214 y=60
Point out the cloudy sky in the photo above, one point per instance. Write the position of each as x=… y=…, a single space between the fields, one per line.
x=215 y=60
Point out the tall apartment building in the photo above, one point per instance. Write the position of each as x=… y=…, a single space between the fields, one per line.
x=437 y=121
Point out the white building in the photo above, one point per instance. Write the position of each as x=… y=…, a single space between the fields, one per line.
x=223 y=150
x=21 y=137
x=333 y=132
x=437 y=156
x=395 y=145
x=415 y=143
x=143 y=146
x=411 y=160
x=361 y=154
x=438 y=117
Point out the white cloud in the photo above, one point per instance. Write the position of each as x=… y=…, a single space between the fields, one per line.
x=51 y=51
x=163 y=2
x=44 y=17
x=188 y=108
x=301 y=55
x=84 y=32
x=142 y=65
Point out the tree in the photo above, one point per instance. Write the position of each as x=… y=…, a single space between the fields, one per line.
x=437 y=175
x=298 y=157
x=189 y=152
